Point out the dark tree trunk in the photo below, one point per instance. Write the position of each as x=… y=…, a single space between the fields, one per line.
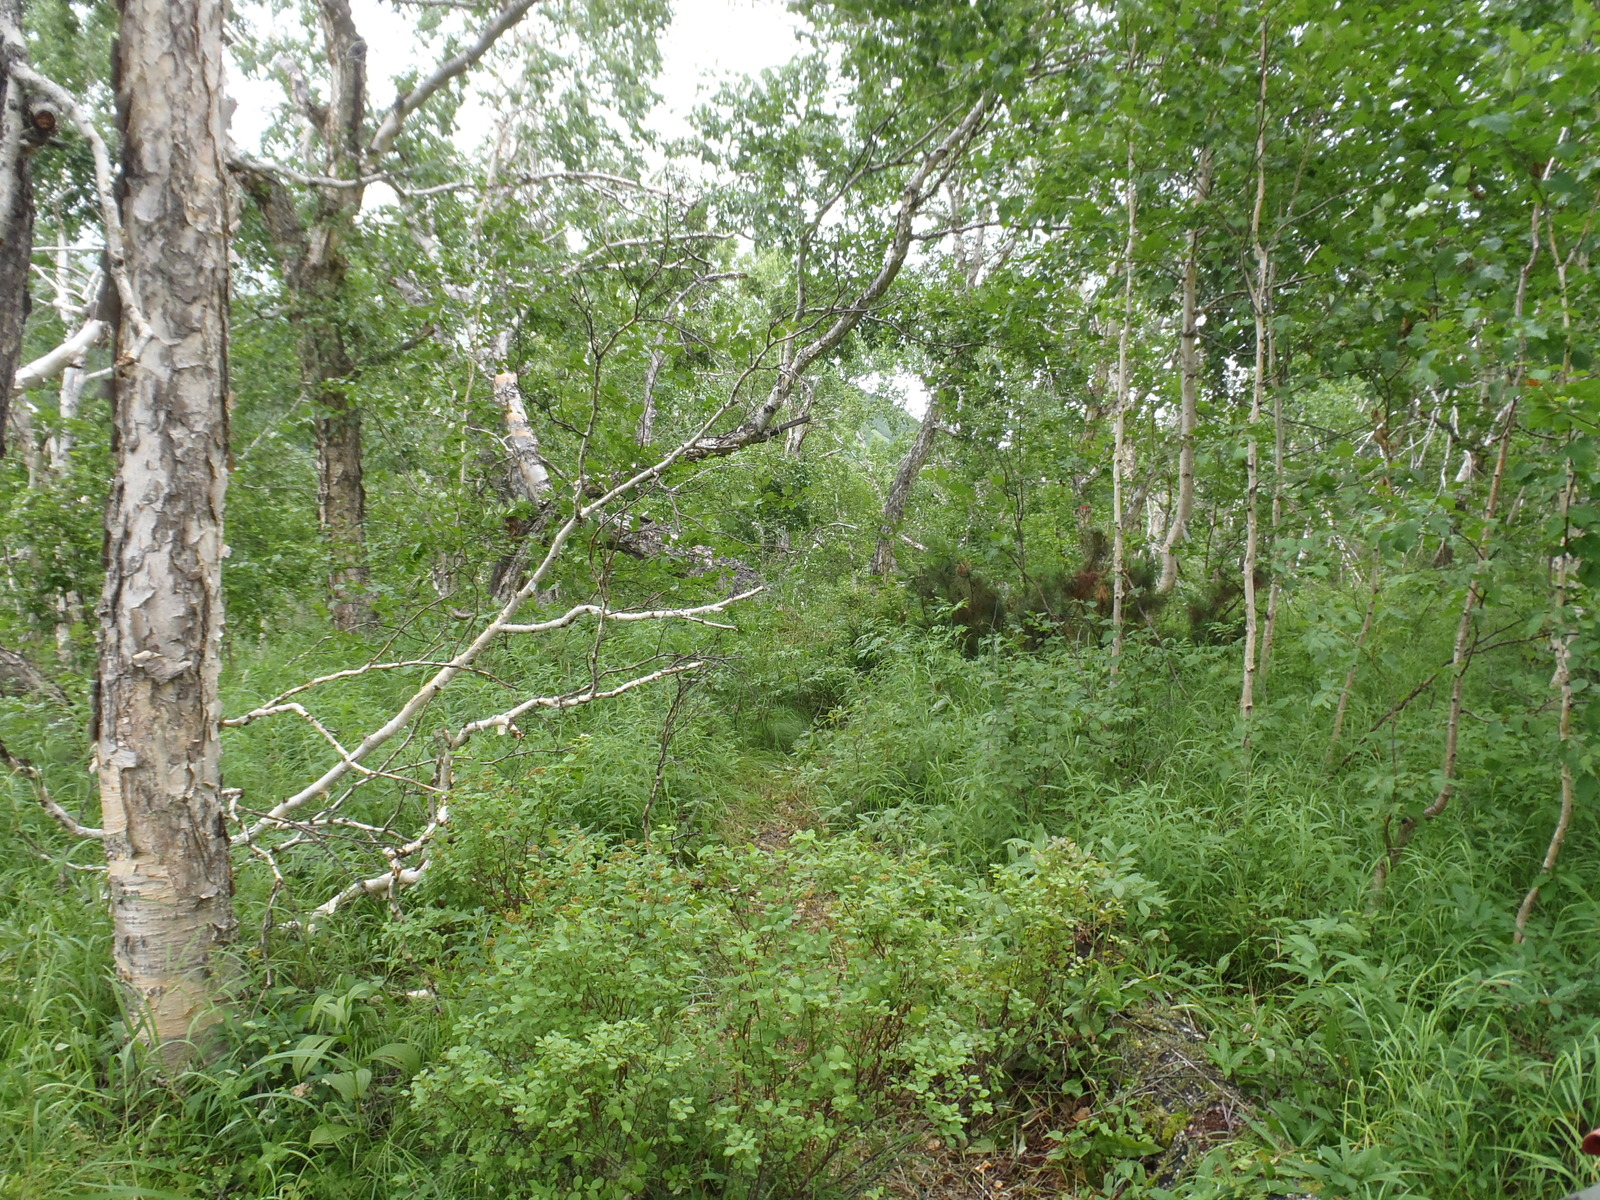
x=328 y=373
x=342 y=504
x=16 y=205
x=311 y=254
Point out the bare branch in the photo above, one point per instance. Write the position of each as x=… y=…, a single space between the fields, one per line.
x=607 y=614
x=407 y=104
x=598 y=177
x=463 y=661
x=69 y=353
x=271 y=706
x=46 y=801
x=240 y=161
x=105 y=193
x=300 y=711
x=956 y=231
x=390 y=882
x=399 y=876
x=504 y=720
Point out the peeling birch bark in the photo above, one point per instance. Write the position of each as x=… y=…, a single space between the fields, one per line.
x=169 y=873
x=521 y=439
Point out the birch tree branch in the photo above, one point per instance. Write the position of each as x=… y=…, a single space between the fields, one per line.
x=105 y=193
x=464 y=660
x=610 y=615
x=49 y=365
x=408 y=103
x=595 y=177
x=391 y=881
x=240 y=161
x=272 y=706
x=924 y=182
x=399 y=876
x=46 y=801
x=504 y=720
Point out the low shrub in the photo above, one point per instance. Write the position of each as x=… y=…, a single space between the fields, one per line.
x=763 y=1022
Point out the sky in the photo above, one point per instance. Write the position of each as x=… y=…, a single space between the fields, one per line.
x=707 y=39
x=718 y=37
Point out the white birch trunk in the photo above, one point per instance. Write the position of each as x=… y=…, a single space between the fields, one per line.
x=1258 y=306
x=1275 y=587
x=169 y=873
x=1561 y=643
x=1189 y=387
x=1119 y=548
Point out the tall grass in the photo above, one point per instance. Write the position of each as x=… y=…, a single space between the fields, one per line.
x=1411 y=1052
x=1414 y=1051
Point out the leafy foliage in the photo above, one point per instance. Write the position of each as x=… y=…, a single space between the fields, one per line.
x=764 y=1020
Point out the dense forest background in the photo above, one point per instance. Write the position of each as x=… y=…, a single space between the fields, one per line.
x=1010 y=617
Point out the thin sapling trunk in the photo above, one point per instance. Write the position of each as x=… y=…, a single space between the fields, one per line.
x=1119 y=548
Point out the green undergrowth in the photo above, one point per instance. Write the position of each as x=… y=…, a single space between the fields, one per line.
x=859 y=886
x=765 y=1022
x=1409 y=1051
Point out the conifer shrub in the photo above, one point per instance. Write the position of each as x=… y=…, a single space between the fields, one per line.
x=764 y=1022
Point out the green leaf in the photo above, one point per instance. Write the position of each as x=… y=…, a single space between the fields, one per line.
x=1494 y=122
x=399 y=1054
x=329 y=1134
x=351 y=1085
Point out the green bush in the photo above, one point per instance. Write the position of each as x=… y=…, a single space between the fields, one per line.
x=763 y=1022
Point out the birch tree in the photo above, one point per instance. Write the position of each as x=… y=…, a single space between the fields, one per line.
x=169 y=873
x=1188 y=380
x=1260 y=315
x=1119 y=444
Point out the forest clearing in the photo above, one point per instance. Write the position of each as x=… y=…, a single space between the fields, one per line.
x=999 y=608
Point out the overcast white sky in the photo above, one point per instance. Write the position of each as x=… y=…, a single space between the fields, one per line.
x=707 y=38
